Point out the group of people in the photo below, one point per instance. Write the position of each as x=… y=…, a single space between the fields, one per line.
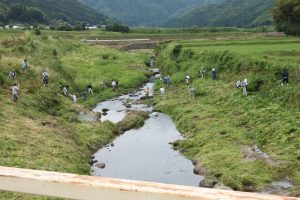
x=152 y=61
x=213 y=73
x=167 y=80
x=25 y=68
x=115 y=83
x=89 y=90
x=242 y=84
x=239 y=84
x=162 y=92
x=65 y=92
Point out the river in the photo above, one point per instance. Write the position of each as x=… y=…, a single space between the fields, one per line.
x=144 y=154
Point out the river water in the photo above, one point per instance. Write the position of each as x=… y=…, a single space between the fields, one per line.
x=143 y=154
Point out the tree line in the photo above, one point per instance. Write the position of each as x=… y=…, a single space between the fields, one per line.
x=32 y=16
x=287 y=16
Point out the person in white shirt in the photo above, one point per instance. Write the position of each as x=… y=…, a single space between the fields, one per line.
x=15 y=92
x=113 y=84
x=192 y=92
x=162 y=92
x=73 y=97
x=12 y=74
x=90 y=89
x=45 y=76
x=65 y=91
x=202 y=72
x=245 y=85
x=238 y=84
x=187 y=79
x=25 y=65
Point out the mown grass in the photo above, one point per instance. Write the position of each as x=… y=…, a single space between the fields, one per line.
x=42 y=130
x=220 y=121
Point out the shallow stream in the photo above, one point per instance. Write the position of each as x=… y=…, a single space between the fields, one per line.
x=144 y=154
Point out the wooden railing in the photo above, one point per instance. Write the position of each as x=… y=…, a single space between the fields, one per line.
x=74 y=186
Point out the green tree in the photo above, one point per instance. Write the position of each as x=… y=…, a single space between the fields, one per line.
x=117 y=28
x=287 y=16
x=63 y=26
x=37 y=31
x=80 y=26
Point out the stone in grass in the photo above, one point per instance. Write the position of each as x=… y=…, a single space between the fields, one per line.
x=199 y=169
x=93 y=161
x=208 y=183
x=221 y=186
x=52 y=111
x=100 y=165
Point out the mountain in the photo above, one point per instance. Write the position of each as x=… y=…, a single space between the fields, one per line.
x=141 y=12
x=239 y=13
x=42 y=11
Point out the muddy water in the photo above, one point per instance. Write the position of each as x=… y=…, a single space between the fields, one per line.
x=144 y=154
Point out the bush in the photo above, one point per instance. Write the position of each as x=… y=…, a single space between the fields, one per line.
x=176 y=52
x=117 y=28
x=3 y=79
x=54 y=52
x=37 y=31
x=61 y=26
x=105 y=56
x=255 y=84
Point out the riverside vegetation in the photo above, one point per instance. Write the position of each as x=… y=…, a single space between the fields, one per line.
x=221 y=124
x=42 y=130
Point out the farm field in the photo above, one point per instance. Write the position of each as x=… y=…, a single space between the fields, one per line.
x=262 y=47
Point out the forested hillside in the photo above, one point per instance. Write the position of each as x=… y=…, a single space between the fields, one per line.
x=240 y=13
x=141 y=12
x=45 y=11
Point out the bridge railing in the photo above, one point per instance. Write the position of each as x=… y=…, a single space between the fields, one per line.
x=74 y=186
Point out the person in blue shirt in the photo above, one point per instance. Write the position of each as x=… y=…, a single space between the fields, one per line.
x=214 y=74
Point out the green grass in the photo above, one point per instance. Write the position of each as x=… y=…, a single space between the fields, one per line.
x=220 y=121
x=42 y=130
x=265 y=48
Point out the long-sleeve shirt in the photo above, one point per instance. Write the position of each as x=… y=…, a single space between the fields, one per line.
x=15 y=90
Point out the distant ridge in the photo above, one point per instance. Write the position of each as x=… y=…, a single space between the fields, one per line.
x=141 y=12
x=238 y=13
x=71 y=11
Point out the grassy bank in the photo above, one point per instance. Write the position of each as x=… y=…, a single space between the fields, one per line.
x=221 y=124
x=42 y=130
